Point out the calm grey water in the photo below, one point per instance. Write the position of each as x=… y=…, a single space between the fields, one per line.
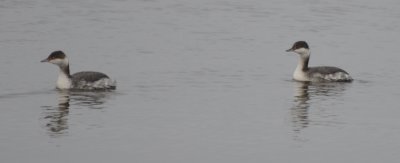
x=200 y=81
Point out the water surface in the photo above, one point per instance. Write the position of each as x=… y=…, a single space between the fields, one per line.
x=200 y=81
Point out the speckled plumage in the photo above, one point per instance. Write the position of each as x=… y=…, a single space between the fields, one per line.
x=85 y=80
x=315 y=74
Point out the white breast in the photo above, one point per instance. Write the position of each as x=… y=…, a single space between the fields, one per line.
x=63 y=81
x=300 y=75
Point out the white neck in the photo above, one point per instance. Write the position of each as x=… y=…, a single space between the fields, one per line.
x=63 y=81
x=302 y=66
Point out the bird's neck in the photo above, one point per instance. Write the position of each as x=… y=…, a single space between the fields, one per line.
x=64 y=69
x=302 y=64
x=64 y=78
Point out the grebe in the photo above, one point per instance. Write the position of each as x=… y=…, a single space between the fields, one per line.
x=315 y=74
x=85 y=80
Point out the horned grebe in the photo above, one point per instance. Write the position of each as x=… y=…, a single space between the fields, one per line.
x=85 y=80
x=315 y=74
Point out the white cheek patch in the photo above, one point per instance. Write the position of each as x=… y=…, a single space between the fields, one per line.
x=59 y=61
x=56 y=61
x=300 y=50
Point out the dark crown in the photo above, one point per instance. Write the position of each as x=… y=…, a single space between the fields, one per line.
x=300 y=44
x=56 y=55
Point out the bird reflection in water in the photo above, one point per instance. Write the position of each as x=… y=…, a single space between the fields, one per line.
x=89 y=99
x=305 y=95
x=57 y=117
x=299 y=112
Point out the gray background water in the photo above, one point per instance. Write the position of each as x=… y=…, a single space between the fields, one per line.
x=200 y=81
